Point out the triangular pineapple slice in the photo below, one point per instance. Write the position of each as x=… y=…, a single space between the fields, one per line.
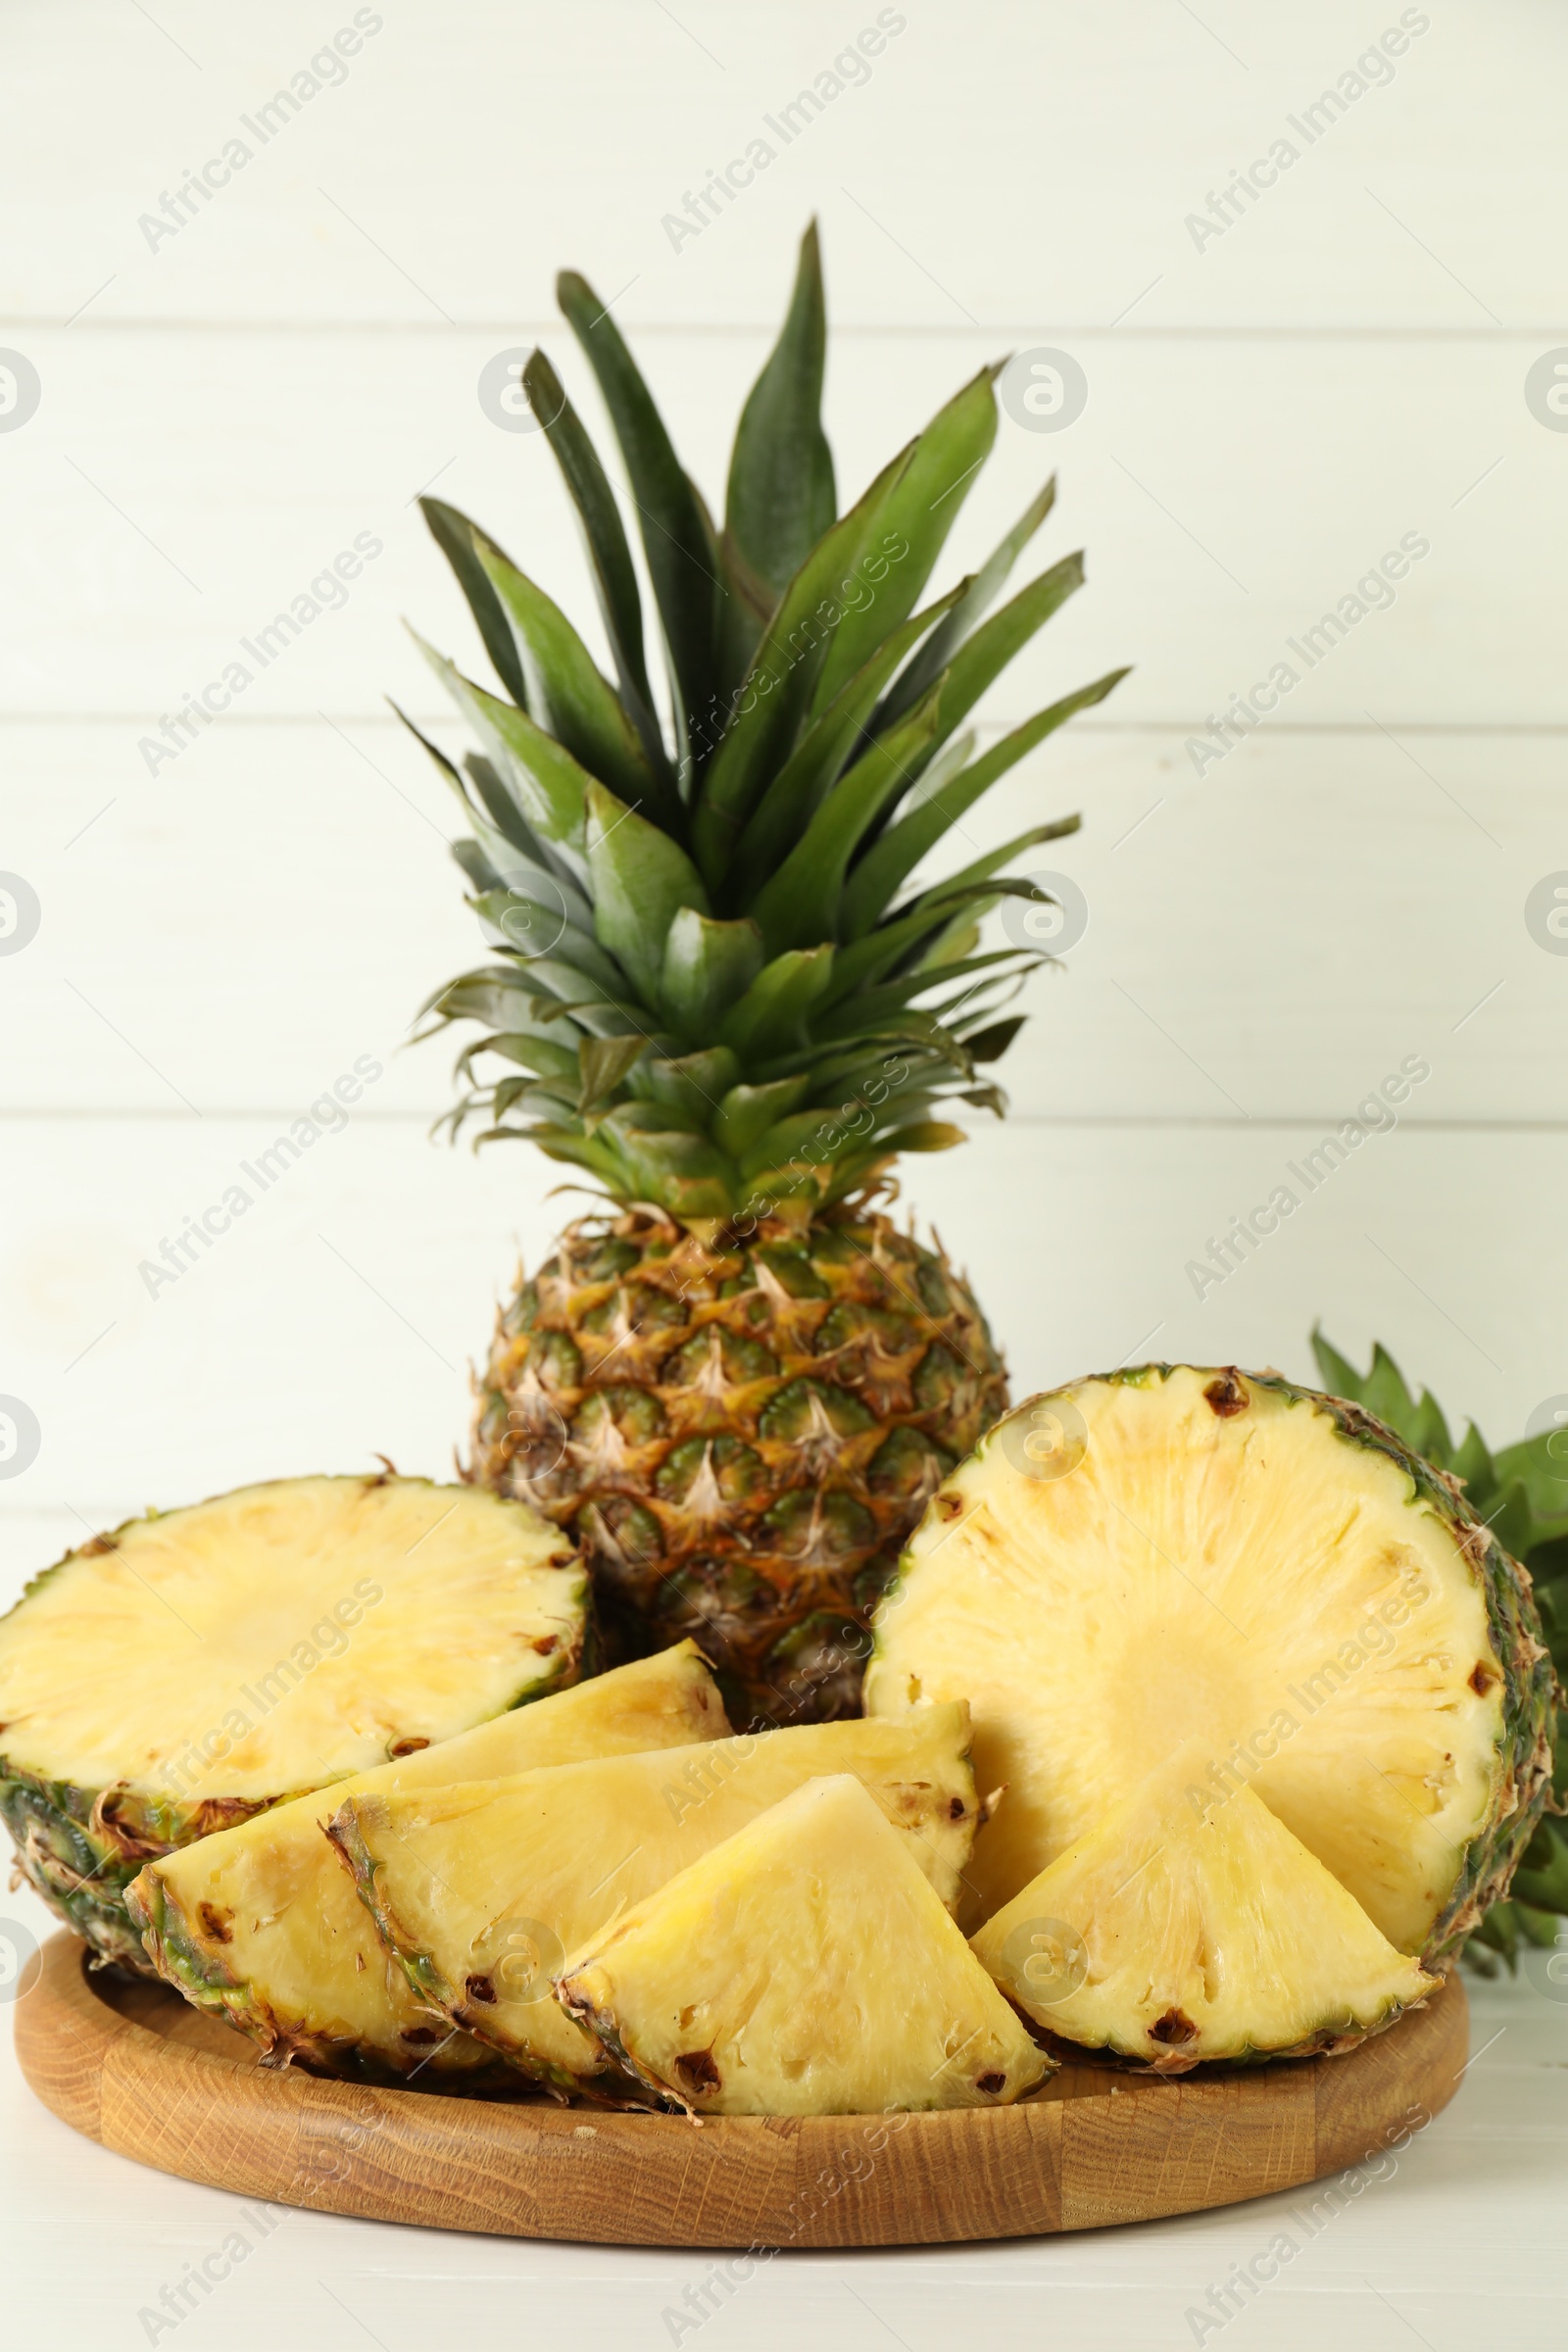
x=803 y=1967
x=483 y=1889
x=261 y=1924
x=1189 y=1926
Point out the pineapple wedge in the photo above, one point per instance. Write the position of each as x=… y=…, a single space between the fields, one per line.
x=481 y=1890
x=1189 y=1925
x=803 y=1967
x=261 y=1923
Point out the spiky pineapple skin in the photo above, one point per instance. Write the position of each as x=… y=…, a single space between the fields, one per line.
x=181 y=1960
x=740 y=1430
x=80 y=1848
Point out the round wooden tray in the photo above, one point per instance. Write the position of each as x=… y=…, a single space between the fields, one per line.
x=136 y=2068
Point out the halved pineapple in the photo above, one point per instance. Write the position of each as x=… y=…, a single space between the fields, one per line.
x=803 y=1967
x=1167 y=1553
x=481 y=1890
x=261 y=1924
x=1189 y=1926
x=197 y=1666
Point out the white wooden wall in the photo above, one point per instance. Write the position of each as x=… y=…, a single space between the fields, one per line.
x=1269 y=410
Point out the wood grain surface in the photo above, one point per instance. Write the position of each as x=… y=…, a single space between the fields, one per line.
x=135 y=2069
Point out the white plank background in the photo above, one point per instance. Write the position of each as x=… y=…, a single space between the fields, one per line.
x=1266 y=415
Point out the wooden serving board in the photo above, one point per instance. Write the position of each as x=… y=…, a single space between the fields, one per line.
x=136 y=2068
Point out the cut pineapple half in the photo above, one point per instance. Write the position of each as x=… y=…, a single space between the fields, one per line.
x=1189 y=1926
x=1170 y=1553
x=803 y=1966
x=261 y=1923
x=481 y=1890
x=199 y=1665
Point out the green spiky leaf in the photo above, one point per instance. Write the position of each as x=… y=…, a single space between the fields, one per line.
x=714 y=975
x=781 y=491
x=603 y=534
x=453 y=533
x=773 y=702
x=707 y=968
x=641 y=881
x=969 y=609
x=604 y=1062
x=912 y=522
x=900 y=850
x=566 y=693
x=675 y=542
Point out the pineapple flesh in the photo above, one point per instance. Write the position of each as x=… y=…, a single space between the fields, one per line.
x=803 y=1967
x=1167 y=1554
x=262 y=1925
x=1189 y=1925
x=199 y=1666
x=722 y=986
x=480 y=1890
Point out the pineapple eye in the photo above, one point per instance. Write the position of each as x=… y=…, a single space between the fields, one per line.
x=909 y=1463
x=634 y=1415
x=793 y=1271
x=706 y=1473
x=819 y=1528
x=940 y=1380
x=851 y=1324
x=811 y=1413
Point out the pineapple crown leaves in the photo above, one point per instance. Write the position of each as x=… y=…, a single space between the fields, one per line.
x=717 y=986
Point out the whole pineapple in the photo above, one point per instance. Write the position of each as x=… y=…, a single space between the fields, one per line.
x=718 y=990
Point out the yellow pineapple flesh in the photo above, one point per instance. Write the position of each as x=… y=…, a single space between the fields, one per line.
x=481 y=1889
x=261 y=1924
x=803 y=1967
x=1188 y=1926
x=195 y=1667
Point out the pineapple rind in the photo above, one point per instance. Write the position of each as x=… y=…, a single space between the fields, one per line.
x=82 y=1845
x=878 y=1320
x=81 y=1876
x=187 y=1963
x=296 y=2004
x=1523 y=1744
x=429 y=1988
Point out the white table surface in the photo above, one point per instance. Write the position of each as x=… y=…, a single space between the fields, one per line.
x=223 y=411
